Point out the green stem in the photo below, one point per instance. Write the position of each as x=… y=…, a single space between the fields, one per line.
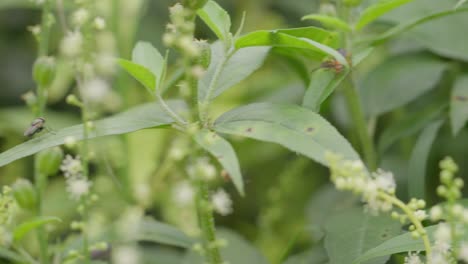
x=360 y=123
x=413 y=219
x=45 y=29
x=40 y=179
x=207 y=224
x=169 y=111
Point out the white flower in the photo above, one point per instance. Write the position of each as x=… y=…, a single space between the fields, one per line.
x=438 y=258
x=95 y=90
x=72 y=43
x=99 y=23
x=80 y=16
x=420 y=215
x=77 y=187
x=385 y=180
x=71 y=167
x=413 y=258
x=183 y=193
x=125 y=255
x=463 y=253
x=222 y=203
x=435 y=213
x=443 y=239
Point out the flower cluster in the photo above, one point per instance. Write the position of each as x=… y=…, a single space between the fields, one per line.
x=77 y=185
x=222 y=203
x=202 y=169
x=353 y=176
x=180 y=31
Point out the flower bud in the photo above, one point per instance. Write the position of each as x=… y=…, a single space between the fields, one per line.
x=44 y=71
x=49 y=161
x=73 y=100
x=25 y=194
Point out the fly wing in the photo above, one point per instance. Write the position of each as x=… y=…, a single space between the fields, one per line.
x=30 y=131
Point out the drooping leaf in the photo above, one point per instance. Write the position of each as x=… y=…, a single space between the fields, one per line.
x=140 y=117
x=323 y=82
x=398 y=244
x=238 y=250
x=226 y=71
x=406 y=26
x=149 y=57
x=151 y=230
x=296 y=128
x=459 y=104
x=351 y=233
x=398 y=81
x=293 y=40
x=441 y=35
x=329 y=21
x=140 y=73
x=408 y=126
x=418 y=161
x=217 y=19
x=376 y=10
x=25 y=227
x=224 y=153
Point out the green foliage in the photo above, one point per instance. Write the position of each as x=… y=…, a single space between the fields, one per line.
x=418 y=161
x=153 y=231
x=226 y=70
x=347 y=240
x=400 y=80
x=329 y=22
x=224 y=153
x=217 y=19
x=376 y=10
x=21 y=230
x=144 y=116
x=293 y=127
x=323 y=83
x=459 y=104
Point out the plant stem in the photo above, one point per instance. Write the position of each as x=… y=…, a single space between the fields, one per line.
x=359 y=121
x=413 y=219
x=207 y=224
x=41 y=93
x=169 y=111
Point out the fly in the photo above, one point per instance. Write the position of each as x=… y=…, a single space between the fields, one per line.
x=37 y=126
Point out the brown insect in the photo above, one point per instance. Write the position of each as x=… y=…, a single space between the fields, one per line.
x=225 y=175
x=335 y=64
x=37 y=126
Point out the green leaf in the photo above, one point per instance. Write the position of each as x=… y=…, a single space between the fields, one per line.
x=442 y=35
x=226 y=71
x=140 y=117
x=409 y=125
x=398 y=81
x=351 y=233
x=405 y=26
x=238 y=250
x=140 y=73
x=224 y=153
x=217 y=19
x=374 y=11
x=25 y=227
x=398 y=244
x=11 y=255
x=318 y=255
x=292 y=39
x=418 y=161
x=323 y=82
x=294 y=127
x=459 y=104
x=329 y=21
x=149 y=57
x=151 y=230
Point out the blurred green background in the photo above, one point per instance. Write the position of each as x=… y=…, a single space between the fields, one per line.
x=288 y=197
